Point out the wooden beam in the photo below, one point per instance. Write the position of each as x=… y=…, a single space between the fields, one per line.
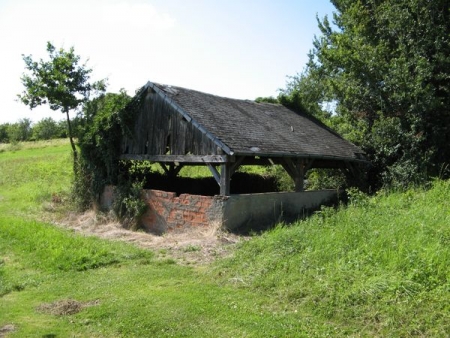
x=235 y=166
x=173 y=169
x=308 y=165
x=225 y=176
x=214 y=172
x=296 y=170
x=164 y=168
x=300 y=176
x=180 y=158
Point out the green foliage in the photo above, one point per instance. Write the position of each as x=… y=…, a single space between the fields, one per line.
x=99 y=141
x=61 y=82
x=269 y=99
x=4 y=133
x=103 y=123
x=318 y=179
x=47 y=129
x=128 y=203
x=386 y=66
x=24 y=130
x=19 y=131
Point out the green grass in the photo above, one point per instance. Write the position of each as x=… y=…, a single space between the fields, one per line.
x=379 y=267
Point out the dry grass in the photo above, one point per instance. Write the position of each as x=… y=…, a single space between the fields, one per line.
x=65 y=307
x=33 y=144
x=195 y=246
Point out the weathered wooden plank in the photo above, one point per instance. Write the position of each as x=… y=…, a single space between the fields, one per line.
x=180 y=158
x=214 y=172
x=225 y=177
x=236 y=164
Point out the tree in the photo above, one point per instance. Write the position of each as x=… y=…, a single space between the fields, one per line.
x=386 y=66
x=4 y=138
x=19 y=131
x=62 y=82
x=46 y=129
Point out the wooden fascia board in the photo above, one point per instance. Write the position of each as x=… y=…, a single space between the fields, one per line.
x=302 y=156
x=185 y=159
x=189 y=118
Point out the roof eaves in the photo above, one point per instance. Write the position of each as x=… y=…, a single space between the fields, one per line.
x=305 y=156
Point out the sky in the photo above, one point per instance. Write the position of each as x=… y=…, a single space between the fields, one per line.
x=235 y=48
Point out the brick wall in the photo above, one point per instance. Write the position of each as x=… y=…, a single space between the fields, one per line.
x=168 y=212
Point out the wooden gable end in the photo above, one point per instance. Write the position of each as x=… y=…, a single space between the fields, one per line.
x=160 y=129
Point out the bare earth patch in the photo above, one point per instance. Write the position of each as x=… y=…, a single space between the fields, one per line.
x=8 y=328
x=64 y=307
x=192 y=246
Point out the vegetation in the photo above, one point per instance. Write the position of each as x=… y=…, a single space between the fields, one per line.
x=61 y=82
x=25 y=130
x=384 y=68
x=378 y=267
x=103 y=122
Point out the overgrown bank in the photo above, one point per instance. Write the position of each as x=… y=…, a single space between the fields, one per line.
x=379 y=265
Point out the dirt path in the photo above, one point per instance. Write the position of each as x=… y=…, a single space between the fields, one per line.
x=196 y=246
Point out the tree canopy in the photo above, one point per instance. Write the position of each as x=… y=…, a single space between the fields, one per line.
x=384 y=65
x=61 y=82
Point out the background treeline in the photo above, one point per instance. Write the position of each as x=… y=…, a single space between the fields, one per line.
x=379 y=74
x=25 y=130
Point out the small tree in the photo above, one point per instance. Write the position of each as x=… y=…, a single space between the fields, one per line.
x=62 y=82
x=4 y=138
x=19 y=131
x=46 y=129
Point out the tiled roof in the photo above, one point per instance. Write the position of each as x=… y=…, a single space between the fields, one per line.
x=263 y=129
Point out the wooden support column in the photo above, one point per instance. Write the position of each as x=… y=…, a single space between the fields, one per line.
x=295 y=169
x=225 y=176
x=300 y=175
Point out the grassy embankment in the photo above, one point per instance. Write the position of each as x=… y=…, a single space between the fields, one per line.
x=379 y=267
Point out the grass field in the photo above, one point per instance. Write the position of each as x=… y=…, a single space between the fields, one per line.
x=379 y=267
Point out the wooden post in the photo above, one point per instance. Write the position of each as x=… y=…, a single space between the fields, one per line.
x=225 y=175
x=295 y=169
x=299 y=177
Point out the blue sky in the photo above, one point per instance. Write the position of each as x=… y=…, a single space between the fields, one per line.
x=239 y=49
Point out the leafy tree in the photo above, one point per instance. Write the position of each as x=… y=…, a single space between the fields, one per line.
x=386 y=66
x=62 y=82
x=46 y=129
x=19 y=131
x=4 y=133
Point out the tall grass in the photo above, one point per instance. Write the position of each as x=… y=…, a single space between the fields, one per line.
x=381 y=265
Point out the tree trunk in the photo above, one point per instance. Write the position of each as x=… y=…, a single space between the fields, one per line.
x=69 y=128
